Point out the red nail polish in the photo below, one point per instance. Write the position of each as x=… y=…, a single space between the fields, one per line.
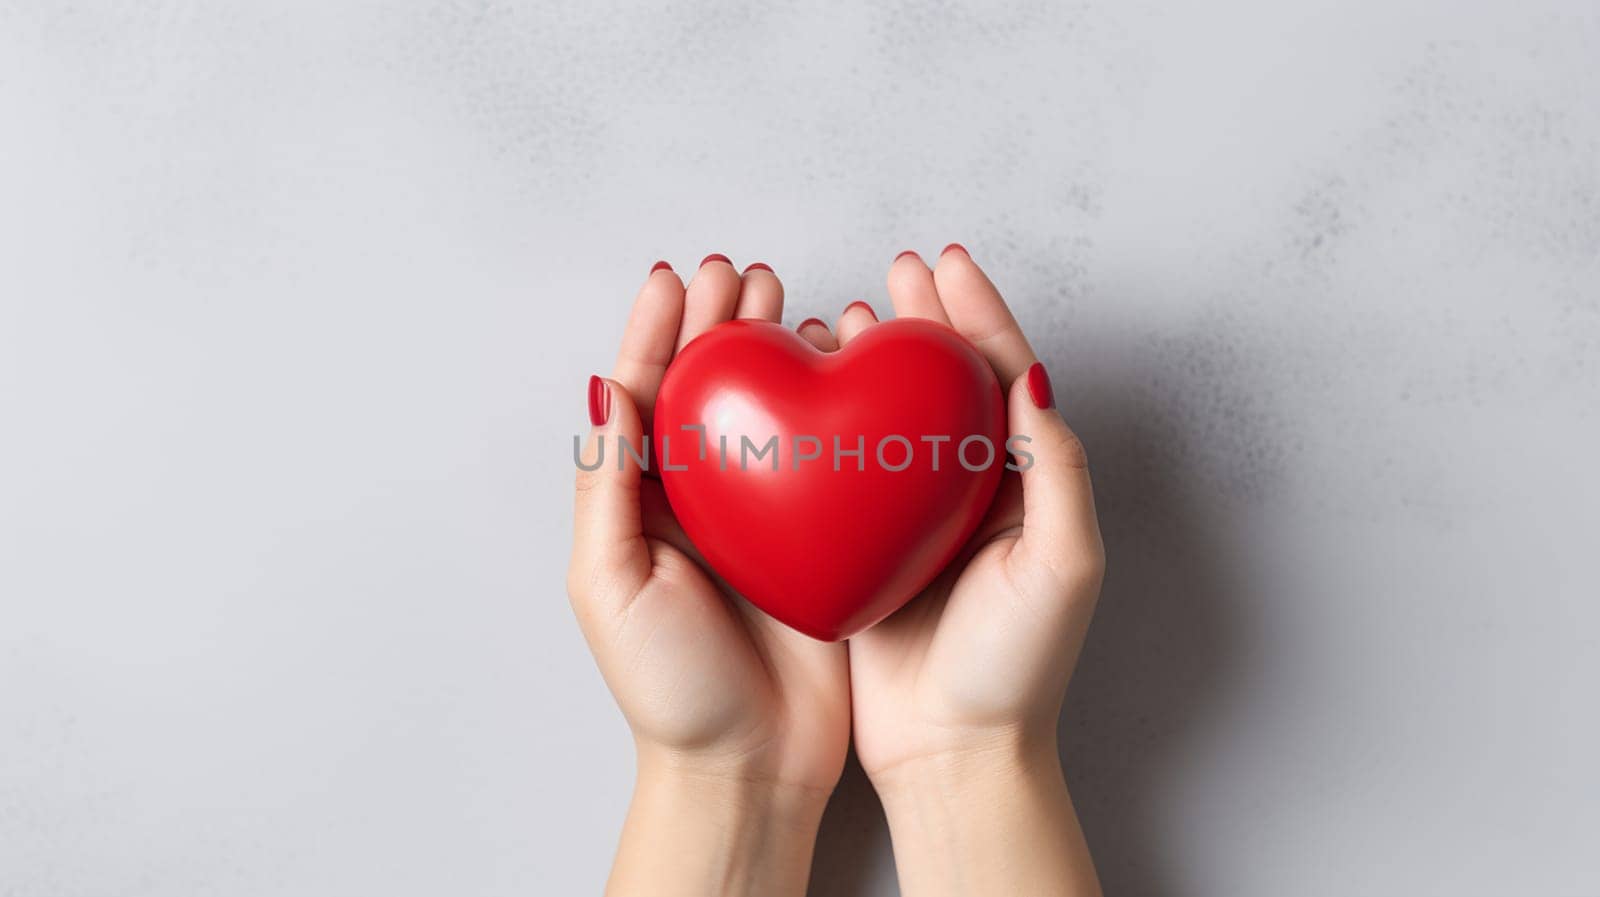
x=864 y=306
x=599 y=401
x=1039 y=388
x=715 y=257
x=758 y=266
x=910 y=252
x=808 y=322
x=958 y=247
x=660 y=266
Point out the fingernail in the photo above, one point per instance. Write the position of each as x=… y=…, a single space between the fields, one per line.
x=599 y=401
x=910 y=252
x=660 y=266
x=864 y=307
x=758 y=266
x=715 y=257
x=810 y=321
x=958 y=247
x=1039 y=388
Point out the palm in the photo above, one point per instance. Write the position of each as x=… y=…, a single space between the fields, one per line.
x=953 y=662
x=733 y=669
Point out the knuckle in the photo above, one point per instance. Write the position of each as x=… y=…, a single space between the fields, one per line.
x=1076 y=565
x=580 y=583
x=588 y=481
x=1091 y=570
x=1092 y=567
x=574 y=590
x=597 y=579
x=1070 y=449
x=1080 y=577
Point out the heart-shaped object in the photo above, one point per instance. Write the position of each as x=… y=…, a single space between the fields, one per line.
x=829 y=488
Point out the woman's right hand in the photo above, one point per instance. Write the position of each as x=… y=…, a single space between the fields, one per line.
x=957 y=694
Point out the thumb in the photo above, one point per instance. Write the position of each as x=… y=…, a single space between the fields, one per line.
x=610 y=559
x=1059 y=527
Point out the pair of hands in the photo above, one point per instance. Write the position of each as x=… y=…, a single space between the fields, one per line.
x=742 y=725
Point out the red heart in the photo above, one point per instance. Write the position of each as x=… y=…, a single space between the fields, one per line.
x=829 y=552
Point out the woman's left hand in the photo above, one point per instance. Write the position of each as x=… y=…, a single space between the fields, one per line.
x=741 y=724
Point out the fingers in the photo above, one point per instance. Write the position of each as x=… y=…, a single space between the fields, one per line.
x=858 y=316
x=760 y=294
x=817 y=334
x=610 y=559
x=912 y=291
x=710 y=298
x=1059 y=528
x=652 y=331
x=979 y=314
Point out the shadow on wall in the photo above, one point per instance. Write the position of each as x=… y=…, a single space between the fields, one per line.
x=1152 y=672
x=1156 y=661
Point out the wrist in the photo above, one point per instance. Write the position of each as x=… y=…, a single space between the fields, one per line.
x=727 y=786
x=982 y=759
x=702 y=827
x=991 y=816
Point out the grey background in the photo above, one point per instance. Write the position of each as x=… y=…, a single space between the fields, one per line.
x=298 y=300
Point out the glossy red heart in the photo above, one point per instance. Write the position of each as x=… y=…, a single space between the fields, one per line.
x=829 y=551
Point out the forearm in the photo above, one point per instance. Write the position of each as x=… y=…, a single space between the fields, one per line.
x=991 y=821
x=708 y=835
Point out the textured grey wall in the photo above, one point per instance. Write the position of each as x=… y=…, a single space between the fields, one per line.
x=297 y=302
